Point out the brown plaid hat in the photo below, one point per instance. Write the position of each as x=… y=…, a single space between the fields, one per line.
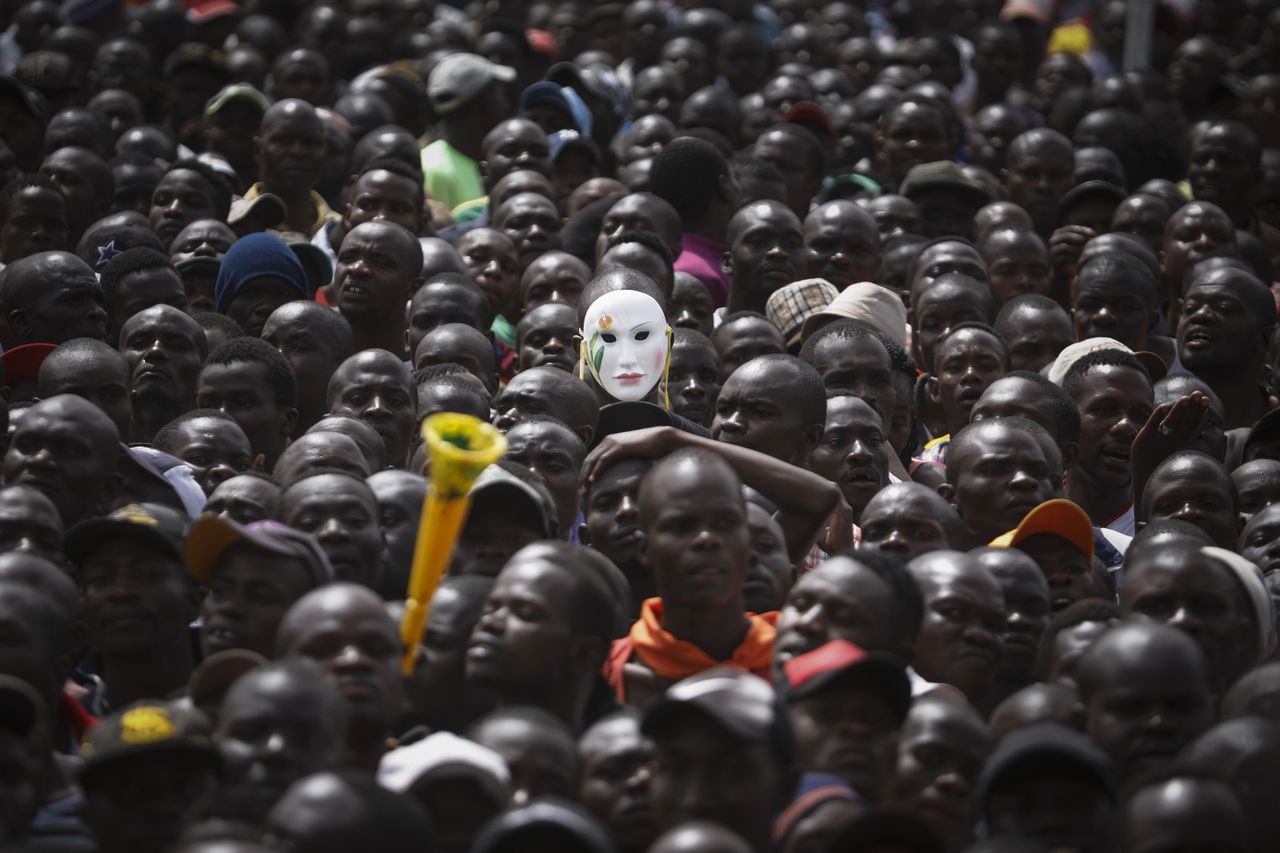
x=789 y=306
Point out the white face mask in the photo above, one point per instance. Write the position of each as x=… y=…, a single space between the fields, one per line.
x=626 y=341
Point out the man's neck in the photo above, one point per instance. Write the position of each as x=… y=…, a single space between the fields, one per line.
x=744 y=299
x=718 y=631
x=566 y=700
x=365 y=750
x=1243 y=400
x=1103 y=503
x=713 y=225
x=300 y=210
x=154 y=674
x=386 y=333
x=150 y=413
x=463 y=137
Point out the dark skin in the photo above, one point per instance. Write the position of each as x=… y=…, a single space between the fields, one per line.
x=438 y=693
x=384 y=196
x=744 y=339
x=794 y=159
x=1111 y=306
x=70 y=168
x=346 y=629
x=861 y=366
x=1196 y=594
x=342 y=514
x=547 y=336
x=206 y=239
x=37 y=222
x=249 y=591
x=146 y=803
x=493 y=263
x=1018 y=263
x=552 y=277
x=966 y=364
x=555 y=454
x=141 y=290
x=317 y=450
x=533 y=224
x=753 y=411
x=1035 y=337
x=539 y=751
x=525 y=645
x=704 y=771
x=437 y=303
x=181 y=197
x=164 y=348
x=690 y=305
x=216 y=450
x=1193 y=233
x=537 y=392
x=1143 y=216
x=240 y=390
x=641 y=211
x=946 y=303
x=1186 y=814
x=29 y=524
x=617 y=764
x=766 y=249
x=1017 y=397
x=1065 y=567
x=399 y=495
x=462 y=345
x=375 y=387
x=961 y=638
x=514 y=144
x=1038 y=174
x=295 y=330
x=842 y=244
x=1145 y=694
x=908 y=519
x=693 y=380
x=802 y=498
x=840 y=600
x=1026 y=600
x=849 y=730
x=611 y=521
x=852 y=451
x=1115 y=402
x=940 y=755
x=277 y=725
x=996 y=474
x=1197 y=490
x=67 y=449
x=1257 y=486
x=379 y=266
x=244 y=499
x=97 y=374
x=51 y=297
x=1221 y=333
x=289 y=152
x=911 y=133
x=1222 y=169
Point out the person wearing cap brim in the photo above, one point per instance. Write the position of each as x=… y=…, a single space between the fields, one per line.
x=507 y=513
x=138 y=549
x=1040 y=764
x=163 y=748
x=842 y=679
x=231 y=119
x=790 y=307
x=948 y=198
x=1058 y=535
x=719 y=718
x=468 y=94
x=867 y=301
x=278 y=563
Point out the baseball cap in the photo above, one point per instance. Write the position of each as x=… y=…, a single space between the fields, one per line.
x=214 y=676
x=842 y=662
x=544 y=91
x=204 y=11
x=1255 y=589
x=163 y=526
x=146 y=728
x=444 y=755
x=241 y=93
x=459 y=77
x=563 y=141
x=789 y=306
x=500 y=486
x=942 y=174
x=22 y=363
x=1041 y=747
x=1264 y=431
x=1072 y=353
x=871 y=303
x=742 y=704
x=211 y=535
x=21 y=708
x=1058 y=517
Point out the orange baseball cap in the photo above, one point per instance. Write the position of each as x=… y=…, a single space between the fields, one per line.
x=1059 y=517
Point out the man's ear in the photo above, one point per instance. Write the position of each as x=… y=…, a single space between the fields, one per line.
x=290 y=421
x=19 y=322
x=111 y=490
x=948 y=493
x=1069 y=451
x=586 y=433
x=584 y=535
x=586 y=653
x=931 y=388
x=726 y=264
x=809 y=440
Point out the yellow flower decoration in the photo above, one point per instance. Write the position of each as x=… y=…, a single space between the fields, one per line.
x=606 y=322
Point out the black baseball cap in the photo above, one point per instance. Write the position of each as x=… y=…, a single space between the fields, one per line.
x=742 y=704
x=840 y=662
x=211 y=535
x=21 y=707
x=1039 y=749
x=146 y=728
x=163 y=526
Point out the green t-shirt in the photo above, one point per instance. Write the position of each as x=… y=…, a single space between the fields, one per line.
x=449 y=176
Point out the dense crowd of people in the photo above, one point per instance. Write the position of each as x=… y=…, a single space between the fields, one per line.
x=889 y=391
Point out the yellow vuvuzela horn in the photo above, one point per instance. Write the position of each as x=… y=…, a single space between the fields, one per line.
x=461 y=447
